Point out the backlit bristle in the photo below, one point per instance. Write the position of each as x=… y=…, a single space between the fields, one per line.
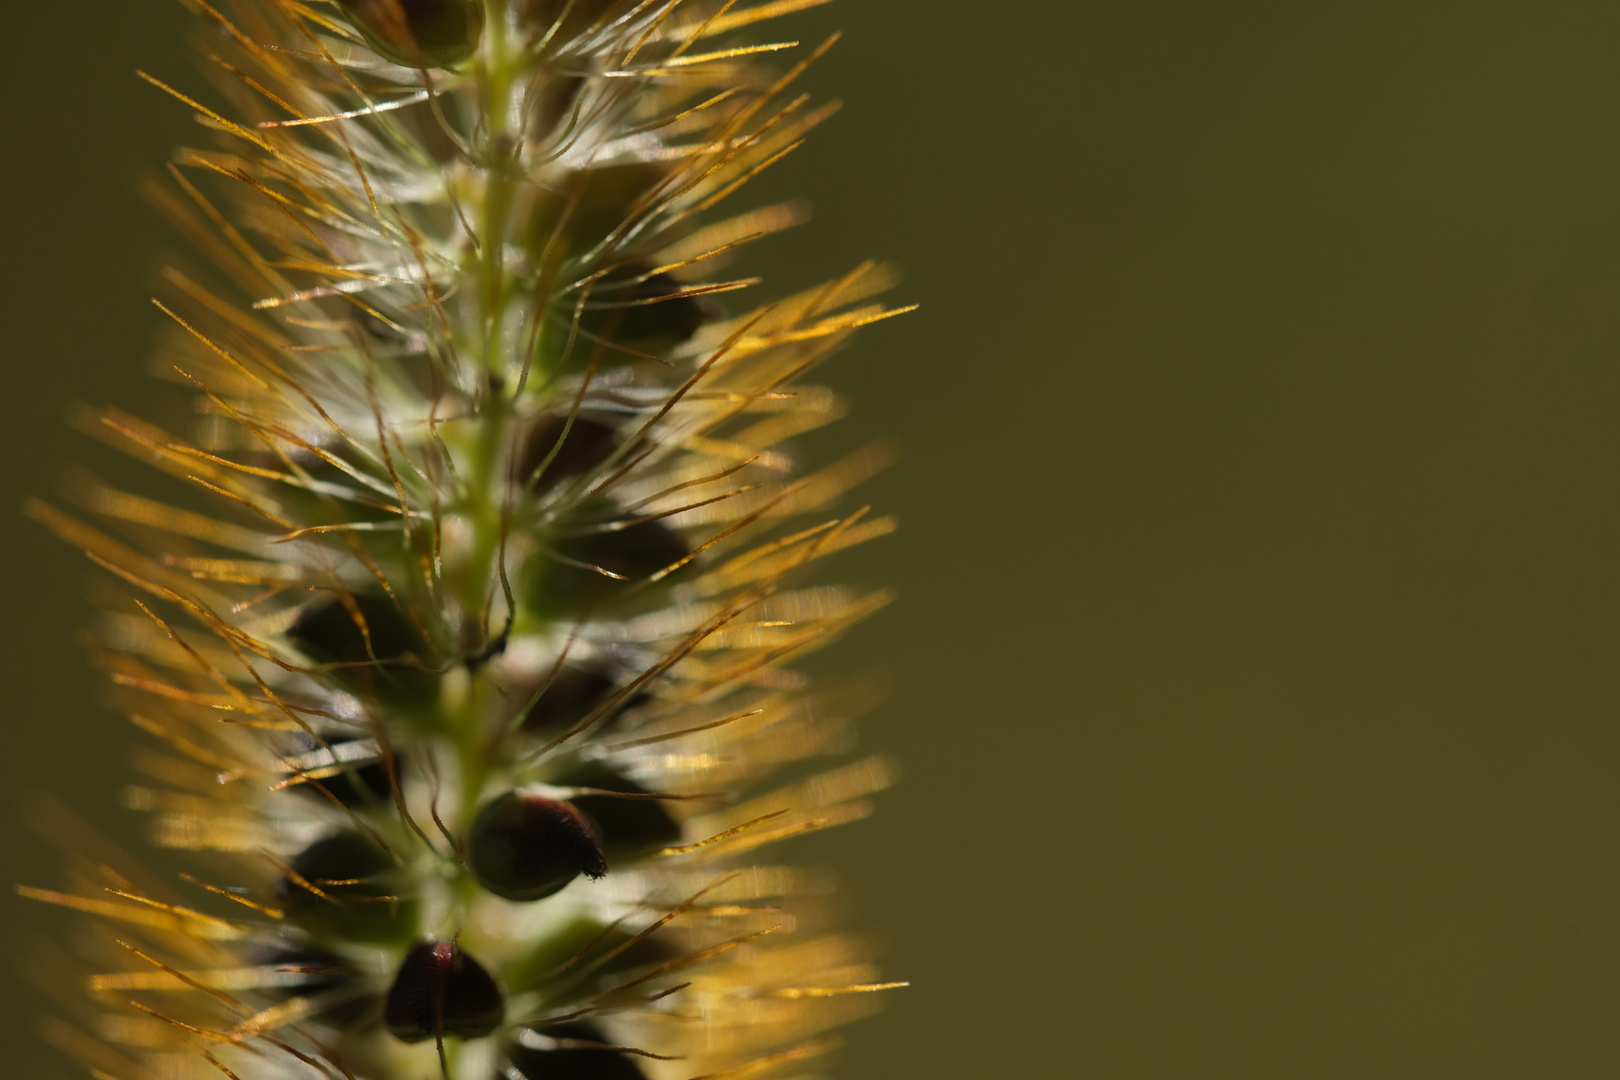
x=458 y=634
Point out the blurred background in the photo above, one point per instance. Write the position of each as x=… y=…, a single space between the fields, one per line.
x=1255 y=659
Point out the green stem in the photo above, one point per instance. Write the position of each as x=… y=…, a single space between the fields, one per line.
x=501 y=158
x=485 y=446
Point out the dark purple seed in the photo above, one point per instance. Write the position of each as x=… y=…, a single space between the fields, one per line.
x=563 y=1052
x=441 y=991
x=526 y=847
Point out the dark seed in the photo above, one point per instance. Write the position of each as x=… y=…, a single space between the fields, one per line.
x=627 y=827
x=441 y=991
x=555 y=1052
x=573 y=695
x=587 y=446
x=597 y=209
x=525 y=847
x=346 y=892
x=355 y=784
x=557 y=104
x=309 y=973
x=596 y=571
x=650 y=316
x=328 y=631
x=419 y=33
x=576 y=16
x=569 y=698
x=652 y=311
x=635 y=552
x=609 y=950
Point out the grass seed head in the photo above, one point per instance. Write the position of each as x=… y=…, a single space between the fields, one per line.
x=460 y=624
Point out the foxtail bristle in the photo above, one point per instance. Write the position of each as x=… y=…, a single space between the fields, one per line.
x=458 y=642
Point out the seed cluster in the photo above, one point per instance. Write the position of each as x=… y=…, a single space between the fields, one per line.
x=460 y=636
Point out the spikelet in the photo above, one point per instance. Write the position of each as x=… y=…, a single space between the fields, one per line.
x=459 y=642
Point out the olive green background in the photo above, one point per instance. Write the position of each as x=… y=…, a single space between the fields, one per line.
x=1254 y=662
